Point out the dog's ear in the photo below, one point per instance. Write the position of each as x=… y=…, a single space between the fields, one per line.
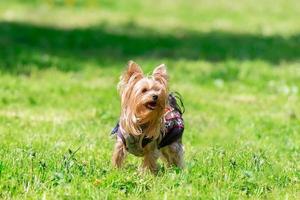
x=132 y=69
x=132 y=73
x=160 y=74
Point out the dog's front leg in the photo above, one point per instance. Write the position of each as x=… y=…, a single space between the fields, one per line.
x=118 y=154
x=150 y=159
x=173 y=154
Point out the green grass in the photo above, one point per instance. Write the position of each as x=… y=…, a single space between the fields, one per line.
x=237 y=66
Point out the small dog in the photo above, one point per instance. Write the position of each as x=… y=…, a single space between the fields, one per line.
x=151 y=123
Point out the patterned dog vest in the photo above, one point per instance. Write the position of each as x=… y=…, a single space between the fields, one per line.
x=173 y=130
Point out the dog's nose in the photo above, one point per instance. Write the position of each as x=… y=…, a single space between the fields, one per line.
x=154 y=97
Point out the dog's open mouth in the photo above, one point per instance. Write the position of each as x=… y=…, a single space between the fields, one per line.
x=151 y=105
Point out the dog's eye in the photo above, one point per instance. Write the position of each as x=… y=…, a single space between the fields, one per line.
x=144 y=90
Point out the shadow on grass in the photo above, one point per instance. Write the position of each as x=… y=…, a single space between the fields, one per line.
x=25 y=45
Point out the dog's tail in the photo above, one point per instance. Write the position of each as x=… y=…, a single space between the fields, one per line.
x=175 y=101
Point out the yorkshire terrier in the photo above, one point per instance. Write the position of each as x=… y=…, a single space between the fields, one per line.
x=151 y=123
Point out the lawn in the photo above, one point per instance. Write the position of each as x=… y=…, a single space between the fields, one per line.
x=236 y=64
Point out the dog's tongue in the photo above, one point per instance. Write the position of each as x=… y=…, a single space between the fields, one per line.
x=152 y=104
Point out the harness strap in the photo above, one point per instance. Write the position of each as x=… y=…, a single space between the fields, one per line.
x=116 y=130
x=146 y=141
x=120 y=135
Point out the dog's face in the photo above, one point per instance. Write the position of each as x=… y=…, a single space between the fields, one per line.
x=143 y=98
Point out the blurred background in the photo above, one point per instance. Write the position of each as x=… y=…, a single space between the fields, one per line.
x=68 y=34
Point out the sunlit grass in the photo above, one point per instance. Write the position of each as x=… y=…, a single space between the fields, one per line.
x=236 y=65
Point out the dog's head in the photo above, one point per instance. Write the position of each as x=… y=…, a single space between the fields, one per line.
x=143 y=98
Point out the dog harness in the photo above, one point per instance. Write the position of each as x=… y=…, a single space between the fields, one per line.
x=173 y=130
